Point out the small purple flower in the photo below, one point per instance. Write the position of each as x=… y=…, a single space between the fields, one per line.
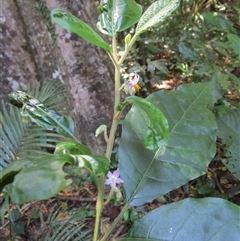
x=113 y=178
x=131 y=86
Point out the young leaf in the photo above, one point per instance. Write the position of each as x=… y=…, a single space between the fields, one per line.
x=39 y=114
x=75 y=25
x=212 y=219
x=82 y=155
x=157 y=132
x=118 y=15
x=70 y=147
x=96 y=164
x=191 y=145
x=229 y=132
x=39 y=179
x=157 y=12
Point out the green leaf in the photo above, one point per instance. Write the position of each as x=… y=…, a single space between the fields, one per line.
x=70 y=147
x=75 y=25
x=157 y=64
x=156 y=13
x=36 y=180
x=7 y=174
x=188 y=52
x=229 y=131
x=156 y=133
x=191 y=146
x=41 y=115
x=205 y=219
x=118 y=15
x=218 y=20
x=235 y=43
x=97 y=164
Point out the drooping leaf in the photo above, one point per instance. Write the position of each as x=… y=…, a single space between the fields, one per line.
x=205 y=219
x=97 y=164
x=68 y=21
x=38 y=179
x=70 y=147
x=118 y=15
x=156 y=13
x=38 y=113
x=156 y=133
x=191 y=146
x=229 y=132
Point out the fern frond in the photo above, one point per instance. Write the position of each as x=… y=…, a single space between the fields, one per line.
x=21 y=139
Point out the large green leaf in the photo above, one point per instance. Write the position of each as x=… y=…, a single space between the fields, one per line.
x=38 y=113
x=229 y=132
x=191 y=146
x=157 y=131
x=156 y=13
x=35 y=180
x=68 y=21
x=118 y=15
x=205 y=219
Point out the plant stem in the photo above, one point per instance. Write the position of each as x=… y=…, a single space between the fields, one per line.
x=99 y=207
x=129 y=46
x=110 y=143
x=113 y=225
x=116 y=103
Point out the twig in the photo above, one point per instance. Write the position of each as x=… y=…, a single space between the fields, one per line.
x=76 y=199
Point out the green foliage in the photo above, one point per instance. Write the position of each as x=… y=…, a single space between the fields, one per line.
x=118 y=15
x=183 y=158
x=167 y=139
x=157 y=132
x=155 y=14
x=191 y=219
x=196 y=44
x=69 y=147
x=47 y=169
x=38 y=113
x=21 y=139
x=75 y=25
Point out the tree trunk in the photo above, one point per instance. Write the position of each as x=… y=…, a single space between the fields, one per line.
x=28 y=55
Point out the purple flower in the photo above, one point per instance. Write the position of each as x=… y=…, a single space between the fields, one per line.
x=113 y=178
x=131 y=86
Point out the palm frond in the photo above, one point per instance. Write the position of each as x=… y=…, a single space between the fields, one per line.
x=72 y=228
x=21 y=139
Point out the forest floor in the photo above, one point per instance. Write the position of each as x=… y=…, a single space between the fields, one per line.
x=38 y=219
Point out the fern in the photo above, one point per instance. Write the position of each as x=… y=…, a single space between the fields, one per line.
x=21 y=139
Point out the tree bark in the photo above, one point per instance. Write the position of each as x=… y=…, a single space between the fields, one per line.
x=28 y=55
